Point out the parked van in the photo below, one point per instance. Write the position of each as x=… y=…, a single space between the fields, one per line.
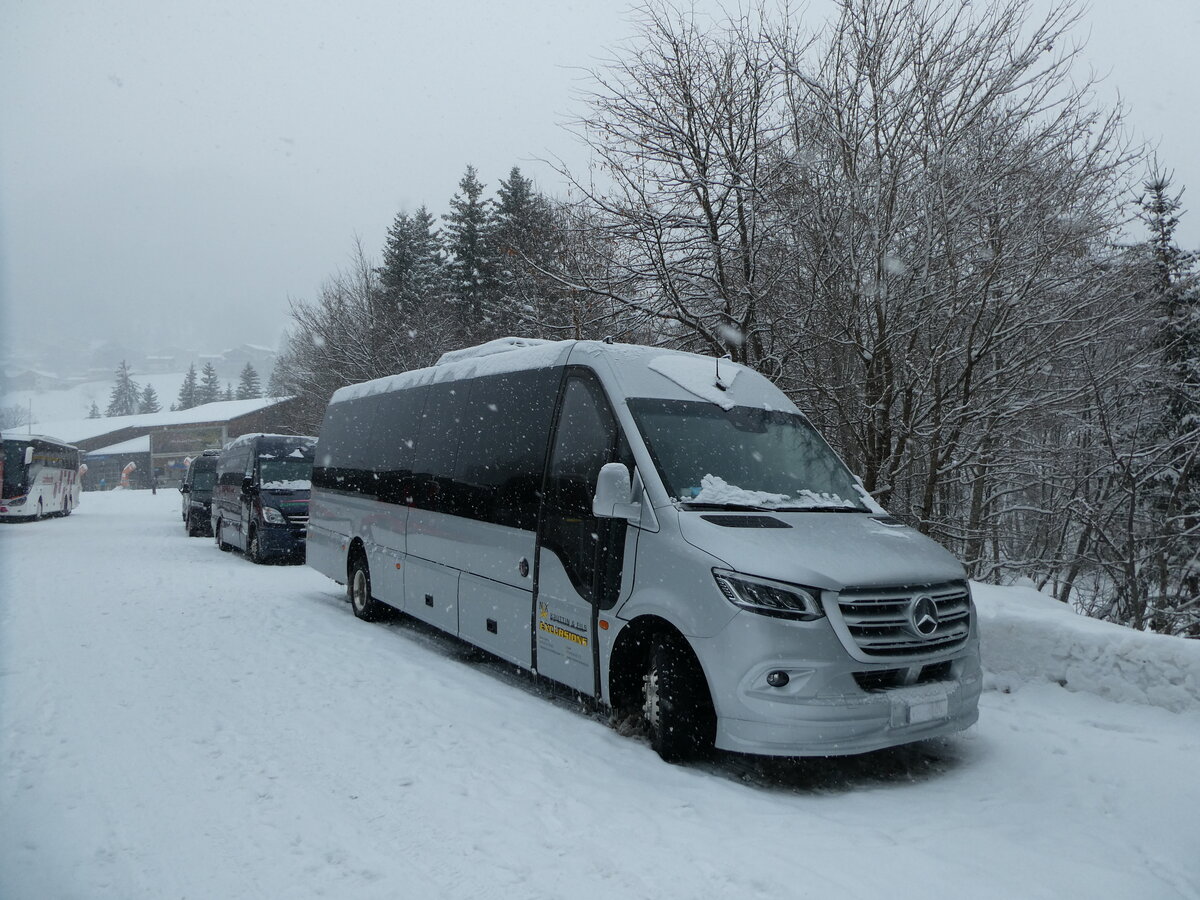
x=197 y=490
x=664 y=532
x=260 y=503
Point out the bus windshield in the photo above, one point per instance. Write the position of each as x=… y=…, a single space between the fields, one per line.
x=288 y=473
x=204 y=480
x=743 y=458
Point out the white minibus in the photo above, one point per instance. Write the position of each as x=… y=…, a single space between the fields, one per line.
x=663 y=532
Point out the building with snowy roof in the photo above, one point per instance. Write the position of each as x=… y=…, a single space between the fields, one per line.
x=161 y=443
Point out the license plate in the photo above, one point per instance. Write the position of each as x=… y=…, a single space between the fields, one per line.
x=919 y=704
x=929 y=711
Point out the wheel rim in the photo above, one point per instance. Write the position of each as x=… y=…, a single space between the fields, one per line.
x=360 y=589
x=650 y=698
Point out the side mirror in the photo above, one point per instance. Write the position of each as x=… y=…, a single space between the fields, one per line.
x=184 y=489
x=248 y=486
x=614 y=494
x=29 y=454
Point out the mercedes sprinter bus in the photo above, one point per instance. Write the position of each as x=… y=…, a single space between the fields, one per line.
x=260 y=500
x=663 y=532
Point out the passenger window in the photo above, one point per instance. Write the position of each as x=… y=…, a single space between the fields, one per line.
x=341 y=459
x=437 y=447
x=393 y=442
x=586 y=439
x=500 y=464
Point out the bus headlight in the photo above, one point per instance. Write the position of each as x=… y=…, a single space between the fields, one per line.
x=770 y=598
x=273 y=516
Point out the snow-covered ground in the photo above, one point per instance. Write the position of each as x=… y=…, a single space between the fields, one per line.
x=177 y=722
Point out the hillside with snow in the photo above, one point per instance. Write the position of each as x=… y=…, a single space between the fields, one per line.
x=178 y=722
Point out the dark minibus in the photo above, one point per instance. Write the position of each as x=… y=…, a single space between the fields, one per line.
x=197 y=490
x=260 y=502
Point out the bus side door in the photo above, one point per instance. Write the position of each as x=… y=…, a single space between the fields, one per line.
x=580 y=557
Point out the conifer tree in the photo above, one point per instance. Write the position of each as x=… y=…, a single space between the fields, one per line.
x=248 y=384
x=522 y=237
x=413 y=273
x=94 y=412
x=228 y=395
x=210 y=385
x=126 y=395
x=187 y=390
x=467 y=241
x=149 y=401
x=1175 y=495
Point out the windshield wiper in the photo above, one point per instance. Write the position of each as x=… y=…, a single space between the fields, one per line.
x=748 y=507
x=743 y=507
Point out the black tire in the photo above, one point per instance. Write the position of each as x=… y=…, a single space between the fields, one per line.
x=224 y=547
x=189 y=524
x=676 y=705
x=254 y=549
x=358 y=586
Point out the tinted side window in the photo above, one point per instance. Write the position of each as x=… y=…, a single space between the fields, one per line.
x=341 y=461
x=231 y=466
x=437 y=447
x=394 y=433
x=506 y=424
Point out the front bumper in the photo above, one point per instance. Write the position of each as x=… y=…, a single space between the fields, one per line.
x=823 y=710
x=282 y=540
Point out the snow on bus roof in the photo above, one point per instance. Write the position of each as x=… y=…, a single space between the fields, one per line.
x=11 y=436
x=493 y=358
x=693 y=373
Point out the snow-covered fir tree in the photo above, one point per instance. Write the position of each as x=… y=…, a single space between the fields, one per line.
x=521 y=245
x=149 y=401
x=94 y=412
x=1174 y=292
x=467 y=242
x=248 y=387
x=187 y=390
x=209 y=389
x=413 y=272
x=126 y=394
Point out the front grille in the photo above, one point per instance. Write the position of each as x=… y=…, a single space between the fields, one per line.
x=880 y=623
x=884 y=679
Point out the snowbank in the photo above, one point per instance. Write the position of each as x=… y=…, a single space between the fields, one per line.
x=1028 y=637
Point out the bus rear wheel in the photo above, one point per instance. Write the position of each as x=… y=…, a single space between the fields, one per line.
x=217 y=529
x=676 y=705
x=358 y=586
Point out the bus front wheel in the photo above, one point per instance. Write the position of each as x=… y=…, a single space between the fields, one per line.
x=676 y=705
x=254 y=548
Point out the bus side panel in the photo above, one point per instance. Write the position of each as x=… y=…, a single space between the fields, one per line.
x=496 y=617
x=431 y=593
x=384 y=527
x=327 y=537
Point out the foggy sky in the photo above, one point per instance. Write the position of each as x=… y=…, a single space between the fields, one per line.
x=174 y=172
